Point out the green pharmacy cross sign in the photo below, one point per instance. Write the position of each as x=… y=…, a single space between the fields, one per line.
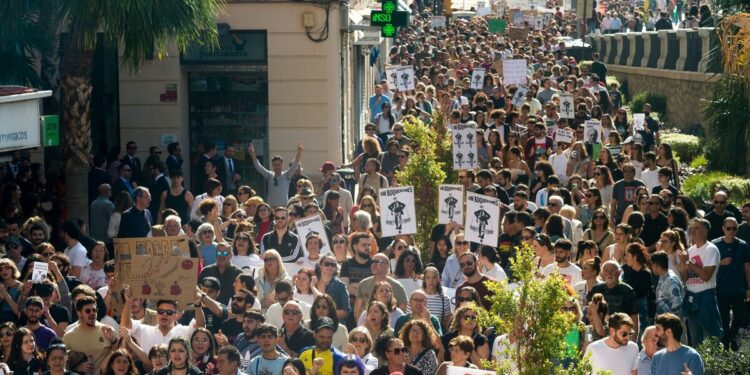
x=389 y=19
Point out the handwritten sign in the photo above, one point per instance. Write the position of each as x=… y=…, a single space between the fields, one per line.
x=514 y=71
x=450 y=204
x=157 y=277
x=127 y=248
x=477 y=78
x=397 y=213
x=518 y=33
x=482 y=219
x=564 y=135
x=464 y=146
x=312 y=225
x=567 y=106
x=405 y=78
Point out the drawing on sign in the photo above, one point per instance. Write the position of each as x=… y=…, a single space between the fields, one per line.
x=538 y=23
x=40 y=272
x=483 y=216
x=464 y=145
x=391 y=73
x=520 y=95
x=567 y=106
x=518 y=19
x=450 y=204
x=639 y=120
x=592 y=131
x=482 y=219
x=450 y=207
x=163 y=278
x=398 y=205
x=405 y=80
x=457 y=141
x=477 y=78
x=312 y=225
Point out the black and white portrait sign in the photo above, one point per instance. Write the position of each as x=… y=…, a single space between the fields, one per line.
x=312 y=225
x=405 y=78
x=520 y=96
x=592 y=132
x=391 y=75
x=450 y=204
x=464 y=145
x=477 y=78
x=482 y=219
x=397 y=213
x=567 y=106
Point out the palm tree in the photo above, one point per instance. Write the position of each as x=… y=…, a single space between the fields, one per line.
x=142 y=29
x=24 y=32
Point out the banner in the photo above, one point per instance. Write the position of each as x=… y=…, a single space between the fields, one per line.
x=564 y=135
x=567 y=106
x=477 y=78
x=464 y=146
x=514 y=71
x=592 y=132
x=312 y=225
x=397 y=213
x=482 y=219
x=405 y=78
x=157 y=277
x=450 y=204
x=391 y=75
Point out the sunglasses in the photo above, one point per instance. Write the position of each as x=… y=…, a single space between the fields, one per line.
x=328 y=264
x=600 y=218
x=366 y=206
x=720 y=202
x=238 y=299
x=398 y=351
x=165 y=312
x=527 y=238
x=730 y=229
x=339 y=242
x=279 y=218
x=358 y=339
x=6 y=334
x=466 y=264
x=461 y=243
x=292 y=312
x=470 y=318
x=269 y=260
x=380 y=261
x=222 y=253
x=90 y=311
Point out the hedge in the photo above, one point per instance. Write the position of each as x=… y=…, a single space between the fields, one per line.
x=658 y=102
x=687 y=147
x=701 y=187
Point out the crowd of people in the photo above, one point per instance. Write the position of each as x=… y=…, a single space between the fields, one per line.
x=654 y=15
x=648 y=270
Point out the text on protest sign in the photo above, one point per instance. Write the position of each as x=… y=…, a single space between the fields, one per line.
x=450 y=204
x=172 y=278
x=514 y=72
x=309 y=226
x=397 y=213
x=482 y=219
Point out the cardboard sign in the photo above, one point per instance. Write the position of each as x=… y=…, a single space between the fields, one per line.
x=450 y=204
x=157 y=277
x=464 y=146
x=497 y=25
x=456 y=370
x=592 y=132
x=639 y=120
x=482 y=219
x=391 y=75
x=397 y=213
x=438 y=22
x=567 y=106
x=564 y=135
x=518 y=33
x=514 y=71
x=127 y=248
x=405 y=78
x=477 y=78
x=312 y=225
x=520 y=96
x=40 y=272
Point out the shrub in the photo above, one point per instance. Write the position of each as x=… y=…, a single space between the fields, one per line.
x=658 y=102
x=687 y=147
x=701 y=187
x=700 y=162
x=727 y=123
x=717 y=361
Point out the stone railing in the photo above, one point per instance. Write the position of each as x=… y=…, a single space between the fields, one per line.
x=687 y=50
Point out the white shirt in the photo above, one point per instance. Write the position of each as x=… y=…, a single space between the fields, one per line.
x=496 y=273
x=150 y=336
x=274 y=314
x=705 y=256
x=560 y=165
x=571 y=274
x=77 y=255
x=650 y=178
x=620 y=361
x=194 y=214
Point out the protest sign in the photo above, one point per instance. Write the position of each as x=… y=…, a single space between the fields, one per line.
x=450 y=204
x=391 y=75
x=497 y=25
x=538 y=23
x=405 y=78
x=484 y=11
x=438 y=22
x=482 y=219
x=592 y=131
x=639 y=120
x=564 y=135
x=158 y=277
x=518 y=33
x=567 y=106
x=514 y=71
x=518 y=18
x=477 y=78
x=397 y=213
x=520 y=96
x=464 y=146
x=309 y=226
x=40 y=272
x=127 y=248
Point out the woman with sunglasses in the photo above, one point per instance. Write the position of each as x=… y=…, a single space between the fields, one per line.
x=599 y=230
x=263 y=221
x=616 y=250
x=527 y=235
x=228 y=207
x=392 y=354
x=25 y=358
x=604 y=182
x=272 y=272
x=360 y=344
x=329 y=283
x=323 y=305
x=244 y=252
x=340 y=245
x=465 y=323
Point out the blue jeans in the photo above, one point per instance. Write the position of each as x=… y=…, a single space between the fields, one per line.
x=702 y=313
x=643 y=318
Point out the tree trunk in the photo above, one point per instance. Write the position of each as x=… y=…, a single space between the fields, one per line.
x=76 y=98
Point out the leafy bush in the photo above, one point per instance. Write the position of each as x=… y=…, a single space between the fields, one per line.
x=658 y=102
x=727 y=123
x=701 y=187
x=700 y=162
x=717 y=361
x=687 y=147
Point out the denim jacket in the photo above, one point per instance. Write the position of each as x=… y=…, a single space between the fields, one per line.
x=669 y=294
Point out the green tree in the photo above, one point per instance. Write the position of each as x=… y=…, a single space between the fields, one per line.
x=532 y=313
x=25 y=32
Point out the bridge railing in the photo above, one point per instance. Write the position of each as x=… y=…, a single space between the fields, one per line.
x=688 y=50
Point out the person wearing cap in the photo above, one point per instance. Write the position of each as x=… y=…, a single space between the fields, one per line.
x=326 y=182
x=13 y=252
x=323 y=357
x=223 y=271
x=215 y=312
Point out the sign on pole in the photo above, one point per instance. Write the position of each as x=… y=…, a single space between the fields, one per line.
x=405 y=78
x=514 y=72
x=482 y=219
x=464 y=146
x=397 y=213
x=477 y=78
x=567 y=106
x=450 y=204
x=312 y=225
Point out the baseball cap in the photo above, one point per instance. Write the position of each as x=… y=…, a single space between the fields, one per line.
x=211 y=282
x=324 y=322
x=328 y=166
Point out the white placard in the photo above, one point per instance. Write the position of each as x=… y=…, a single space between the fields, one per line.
x=40 y=272
x=477 y=78
x=410 y=285
x=391 y=75
x=520 y=96
x=464 y=146
x=538 y=23
x=397 y=213
x=514 y=72
x=639 y=121
x=528 y=19
x=484 y=11
x=312 y=225
x=564 y=135
x=592 y=131
x=567 y=106
x=456 y=370
x=450 y=204
x=438 y=22
x=405 y=78
x=517 y=18
x=482 y=219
